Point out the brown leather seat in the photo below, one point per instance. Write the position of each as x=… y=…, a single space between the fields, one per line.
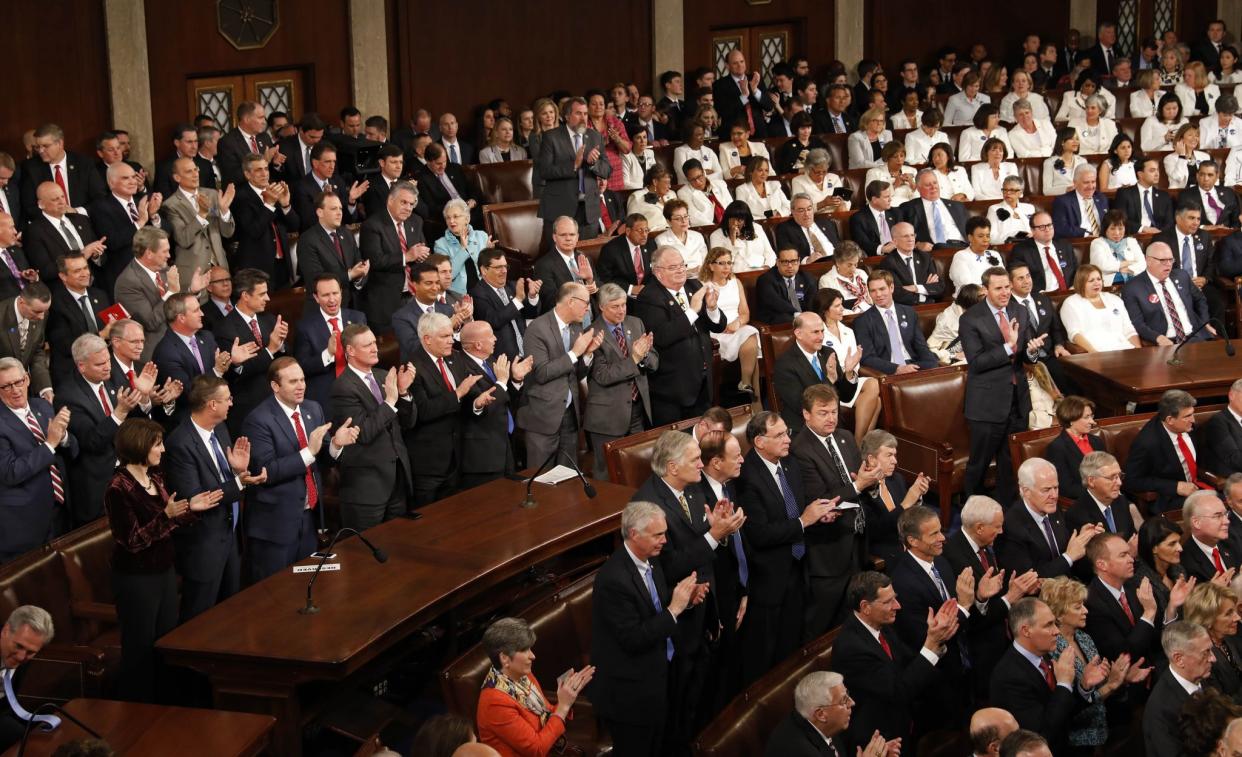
x=836 y=151
x=288 y=304
x=629 y=458
x=517 y=229
x=742 y=728
x=503 y=182
x=562 y=625
x=748 y=278
x=591 y=248
x=389 y=349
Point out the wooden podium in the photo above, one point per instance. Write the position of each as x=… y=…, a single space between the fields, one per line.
x=256 y=648
x=1115 y=378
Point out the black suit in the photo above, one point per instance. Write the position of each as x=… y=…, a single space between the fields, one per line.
x=1020 y=688
x=1147 y=314
x=66 y=322
x=247 y=380
x=465 y=151
x=433 y=194
x=629 y=648
x=986 y=636
x=436 y=436
x=1201 y=248
x=1153 y=465
x=297 y=160
x=1024 y=545
x=1085 y=510
x=872 y=334
x=1101 y=64
x=1032 y=254
x=318 y=253
x=796 y=737
x=306 y=191
x=1219 y=442
x=1197 y=564
x=1161 y=729
x=43 y=243
x=375 y=470
x=1112 y=631
x=924 y=266
x=1129 y=200
x=789 y=235
x=375 y=199
x=553 y=272
x=681 y=387
x=261 y=234
x=773 y=304
x=13 y=203
x=385 y=288
x=731 y=577
x=11 y=285
x=486 y=453
x=85 y=183
x=503 y=317
x=311 y=340
x=1226 y=675
x=912 y=212
x=112 y=223
x=232 y=147
x=727 y=97
x=792 y=375
x=92 y=468
x=866 y=233
x=1066 y=457
x=616 y=263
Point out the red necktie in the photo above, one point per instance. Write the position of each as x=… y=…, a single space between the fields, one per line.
x=1046 y=667
x=444 y=375
x=280 y=248
x=312 y=493
x=1191 y=466
x=1220 y=566
x=58 y=487
x=884 y=645
x=1125 y=607
x=103 y=400
x=718 y=209
x=983 y=559
x=1052 y=266
x=159 y=285
x=401 y=238
x=638 y=264
x=254 y=145
x=604 y=215
x=130 y=374
x=254 y=329
x=340 y=348
x=336 y=240
x=60 y=181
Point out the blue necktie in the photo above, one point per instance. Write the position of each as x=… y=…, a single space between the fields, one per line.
x=743 y=568
x=655 y=600
x=819 y=370
x=944 y=592
x=1151 y=214
x=791 y=508
x=894 y=339
x=1108 y=517
x=1187 y=260
x=225 y=471
x=581 y=172
x=491 y=375
x=453 y=157
x=937 y=224
x=566 y=337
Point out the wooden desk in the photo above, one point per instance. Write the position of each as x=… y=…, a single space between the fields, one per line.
x=148 y=729
x=256 y=648
x=1114 y=378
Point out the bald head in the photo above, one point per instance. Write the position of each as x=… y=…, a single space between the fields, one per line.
x=478 y=339
x=51 y=199
x=988 y=728
x=185 y=173
x=475 y=749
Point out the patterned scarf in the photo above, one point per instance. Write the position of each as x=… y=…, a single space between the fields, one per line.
x=1119 y=253
x=521 y=692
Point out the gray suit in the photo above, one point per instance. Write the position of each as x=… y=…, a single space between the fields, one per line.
x=136 y=291
x=34 y=357
x=196 y=246
x=542 y=413
x=555 y=164
x=610 y=412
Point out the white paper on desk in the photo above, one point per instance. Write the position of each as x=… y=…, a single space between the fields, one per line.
x=558 y=474
x=847 y=505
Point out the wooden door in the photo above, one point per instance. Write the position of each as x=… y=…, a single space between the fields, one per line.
x=218 y=96
x=1137 y=20
x=764 y=47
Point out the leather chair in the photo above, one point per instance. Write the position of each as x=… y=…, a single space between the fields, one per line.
x=742 y=728
x=835 y=143
x=288 y=304
x=591 y=248
x=389 y=349
x=748 y=279
x=664 y=157
x=562 y=623
x=629 y=458
x=517 y=229
x=503 y=182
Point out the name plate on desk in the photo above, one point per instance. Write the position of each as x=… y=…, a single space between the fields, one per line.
x=311 y=568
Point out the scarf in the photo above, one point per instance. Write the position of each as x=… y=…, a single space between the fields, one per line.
x=1119 y=253
x=521 y=692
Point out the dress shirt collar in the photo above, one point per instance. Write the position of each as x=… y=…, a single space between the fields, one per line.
x=1236 y=417
x=125 y=201
x=717 y=487
x=970 y=542
x=875 y=632
x=288 y=410
x=364 y=375
x=642 y=565
x=1114 y=591
x=1030 y=656
x=327 y=318
x=560 y=325
x=1037 y=516
x=1186 y=684
x=1205 y=549
x=23 y=413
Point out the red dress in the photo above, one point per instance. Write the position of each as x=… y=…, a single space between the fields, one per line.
x=616 y=179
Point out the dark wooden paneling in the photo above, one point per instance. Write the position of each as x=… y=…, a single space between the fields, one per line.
x=184 y=42
x=67 y=82
x=455 y=56
x=813 y=22
x=897 y=29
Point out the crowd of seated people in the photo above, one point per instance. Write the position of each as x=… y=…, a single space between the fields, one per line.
x=153 y=378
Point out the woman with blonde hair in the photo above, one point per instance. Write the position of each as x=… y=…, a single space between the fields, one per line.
x=739 y=341
x=1215 y=607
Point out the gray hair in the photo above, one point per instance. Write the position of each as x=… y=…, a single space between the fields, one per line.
x=1173 y=402
x=670 y=446
x=111 y=175
x=609 y=293
x=1021 y=104
x=924 y=171
x=404 y=186
x=817 y=157
x=661 y=252
x=1022 y=613
x=1178 y=635
x=802 y=195
x=636 y=515
x=147 y=238
x=507 y=636
x=560 y=219
x=457 y=205
x=979 y=510
x=1093 y=462
x=1013 y=180
x=35 y=618
x=876 y=440
x=85 y=346
x=1083 y=168
x=433 y=323
x=1236 y=386
x=811 y=691
x=1233 y=480
x=1099 y=101
x=1233 y=724
x=12 y=364
x=1196 y=500
x=1030 y=468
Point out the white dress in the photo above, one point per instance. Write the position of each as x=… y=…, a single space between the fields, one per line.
x=1186 y=94
x=729 y=158
x=1101 y=256
x=945 y=332
x=900 y=194
x=1074 y=105
x=748 y=255
x=633 y=169
x=1153 y=136
x=900 y=121
x=1177 y=168
x=705 y=155
x=854 y=288
x=1107 y=328
x=1142 y=106
x=1018 y=222
x=1213 y=136
x=1057 y=181
x=775 y=205
x=1094 y=140
x=693 y=250
x=1039 y=107
x=1123 y=176
x=730 y=294
x=988 y=185
x=702 y=211
x=842 y=347
x=1037 y=145
x=802 y=184
x=653 y=212
x=918 y=144
x=970 y=143
x=968 y=268
x=956 y=181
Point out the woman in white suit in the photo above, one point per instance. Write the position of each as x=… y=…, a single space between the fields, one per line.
x=988 y=178
x=1095 y=132
x=864 y=146
x=1198 y=95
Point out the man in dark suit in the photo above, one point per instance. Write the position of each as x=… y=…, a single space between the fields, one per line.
x=198 y=459
x=569 y=160
x=816 y=727
x=458 y=153
x=1147 y=207
x=835 y=117
x=1164 y=304
x=486 y=447
x=1163 y=457
x=563 y=263
x=504 y=305
x=249 y=323
x=680 y=313
x=25 y=632
x=778 y=512
x=784 y=291
x=1231 y=493
x=297 y=149
x=1035 y=536
x=1103 y=54
x=15 y=268
x=248 y=137
x=1206 y=554
x=1121 y=610
x=1220 y=439
x=1101 y=502
x=391 y=241
x=391 y=168
x=219 y=297
x=98 y=403
x=1080 y=212
x=809 y=362
x=1051 y=261
x=937 y=222
x=262 y=217
x=188 y=350
x=693 y=534
x=812 y=237
x=1217 y=205
x=446 y=181
x=738 y=97
x=116 y=216
x=1039 y=690
x=326 y=247
x=1189 y=649
x=633 y=626
x=997 y=339
x=324 y=179
x=1194 y=252
x=626 y=259
x=425 y=283
x=885 y=676
x=54 y=231
x=10 y=197
x=916 y=280
x=34 y=501
x=1208 y=49
x=889 y=333
x=75 y=311
x=185 y=145
x=1044 y=320
x=375 y=472
x=317 y=346
x=872 y=227
x=287 y=434
x=74 y=173
x=23 y=325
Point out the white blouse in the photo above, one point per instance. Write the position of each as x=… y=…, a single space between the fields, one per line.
x=705 y=155
x=1017 y=222
x=748 y=255
x=1177 y=168
x=775 y=205
x=1094 y=140
x=970 y=144
x=900 y=121
x=1107 y=328
x=1142 y=106
x=900 y=194
x=968 y=268
x=1101 y=256
x=803 y=184
x=918 y=144
x=957 y=181
x=987 y=185
x=1154 y=135
x=633 y=169
x=702 y=211
x=852 y=288
x=1213 y=136
x=653 y=212
x=1039 y=107
x=1186 y=94
x=1073 y=105
x=730 y=159
x=1037 y=145
x=693 y=250
x=1058 y=181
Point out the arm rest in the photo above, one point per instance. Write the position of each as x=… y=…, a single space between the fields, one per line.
x=918 y=454
x=876 y=563
x=871 y=372
x=94 y=611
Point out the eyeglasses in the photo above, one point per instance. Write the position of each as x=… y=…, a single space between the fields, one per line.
x=499 y=267
x=674 y=267
x=1042 y=226
x=679 y=217
x=777 y=436
x=846 y=701
x=14 y=384
x=579 y=299
x=722 y=262
x=1212 y=516
x=1019 y=189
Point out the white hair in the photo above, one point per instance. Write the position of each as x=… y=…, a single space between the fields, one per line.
x=433 y=323
x=812 y=691
x=979 y=510
x=636 y=516
x=1031 y=468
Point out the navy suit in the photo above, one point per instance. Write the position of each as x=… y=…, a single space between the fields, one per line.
x=207 y=556
x=85 y=183
x=1228 y=255
x=1031 y=253
x=259 y=233
x=317 y=254
x=405 y=324
x=92 y=470
x=304 y=193
x=280 y=528
x=772 y=297
x=1018 y=687
x=248 y=380
x=872 y=336
x=1148 y=316
x=1024 y=546
x=28 y=513
x=912 y=211
x=1067 y=214
x=1153 y=465
x=175 y=361
x=502 y=317
x=308 y=346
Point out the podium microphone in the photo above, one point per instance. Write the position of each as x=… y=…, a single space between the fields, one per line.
x=1223 y=334
x=587 y=487
x=380 y=556
x=50 y=706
